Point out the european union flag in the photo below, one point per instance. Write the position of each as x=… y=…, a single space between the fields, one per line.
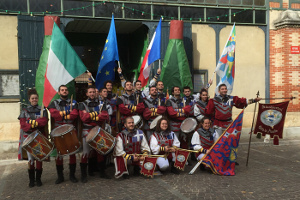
x=109 y=55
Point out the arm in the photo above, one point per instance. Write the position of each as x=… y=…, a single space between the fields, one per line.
x=123 y=80
x=176 y=142
x=161 y=110
x=188 y=110
x=147 y=114
x=24 y=125
x=240 y=102
x=103 y=116
x=42 y=121
x=55 y=114
x=155 y=148
x=195 y=142
x=210 y=108
x=144 y=146
x=197 y=113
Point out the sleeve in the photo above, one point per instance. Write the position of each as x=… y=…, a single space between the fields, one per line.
x=172 y=113
x=55 y=114
x=144 y=145
x=216 y=136
x=85 y=117
x=109 y=109
x=103 y=116
x=161 y=110
x=176 y=142
x=197 y=113
x=147 y=113
x=140 y=107
x=146 y=92
x=188 y=110
x=124 y=110
x=42 y=121
x=74 y=114
x=195 y=142
x=210 y=108
x=240 y=102
x=119 y=149
x=24 y=125
x=123 y=80
x=153 y=82
x=155 y=148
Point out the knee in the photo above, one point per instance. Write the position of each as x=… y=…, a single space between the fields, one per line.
x=164 y=167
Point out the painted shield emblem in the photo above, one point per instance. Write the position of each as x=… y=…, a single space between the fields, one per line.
x=100 y=143
x=148 y=165
x=181 y=158
x=270 y=117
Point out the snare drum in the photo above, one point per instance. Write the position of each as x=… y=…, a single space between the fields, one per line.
x=154 y=122
x=100 y=140
x=138 y=121
x=65 y=139
x=38 y=146
x=188 y=125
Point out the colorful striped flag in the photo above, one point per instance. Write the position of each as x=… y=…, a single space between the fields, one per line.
x=152 y=54
x=226 y=65
x=63 y=65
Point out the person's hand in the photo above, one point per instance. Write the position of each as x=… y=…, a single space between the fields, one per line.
x=89 y=74
x=119 y=70
x=210 y=82
x=135 y=158
x=257 y=99
x=208 y=151
x=141 y=158
x=158 y=71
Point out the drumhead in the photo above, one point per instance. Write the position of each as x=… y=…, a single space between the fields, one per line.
x=61 y=130
x=136 y=119
x=188 y=125
x=92 y=134
x=30 y=138
x=154 y=122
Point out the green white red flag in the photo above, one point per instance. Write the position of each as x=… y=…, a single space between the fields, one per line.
x=63 y=65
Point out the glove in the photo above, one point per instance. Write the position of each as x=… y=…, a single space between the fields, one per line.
x=96 y=118
x=67 y=117
x=33 y=123
x=93 y=114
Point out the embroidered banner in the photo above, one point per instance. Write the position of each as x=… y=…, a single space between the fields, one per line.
x=181 y=158
x=148 y=166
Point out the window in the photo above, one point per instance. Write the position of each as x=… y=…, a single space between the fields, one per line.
x=200 y=80
x=9 y=84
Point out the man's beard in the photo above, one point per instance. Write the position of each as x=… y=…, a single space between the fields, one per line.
x=64 y=96
x=154 y=95
x=129 y=90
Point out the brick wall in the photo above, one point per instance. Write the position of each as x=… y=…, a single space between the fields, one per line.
x=284 y=66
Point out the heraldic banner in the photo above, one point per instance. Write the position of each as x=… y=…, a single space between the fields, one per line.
x=181 y=158
x=222 y=157
x=270 y=119
x=148 y=166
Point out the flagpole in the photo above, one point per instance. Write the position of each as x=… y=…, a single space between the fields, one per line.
x=119 y=64
x=200 y=161
x=251 y=131
x=91 y=75
x=291 y=98
x=159 y=64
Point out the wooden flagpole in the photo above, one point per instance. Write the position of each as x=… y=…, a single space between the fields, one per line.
x=251 y=131
x=200 y=161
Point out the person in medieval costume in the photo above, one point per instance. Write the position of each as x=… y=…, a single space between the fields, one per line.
x=61 y=112
x=203 y=138
x=162 y=142
x=31 y=121
x=154 y=107
x=129 y=142
x=200 y=105
x=93 y=112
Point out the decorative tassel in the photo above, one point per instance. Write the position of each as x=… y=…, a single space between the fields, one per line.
x=267 y=138
x=258 y=135
x=276 y=140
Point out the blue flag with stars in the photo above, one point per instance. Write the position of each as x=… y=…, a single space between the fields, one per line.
x=110 y=54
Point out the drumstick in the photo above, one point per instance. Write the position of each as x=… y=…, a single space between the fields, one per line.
x=158 y=101
x=71 y=102
x=137 y=101
x=183 y=102
x=42 y=110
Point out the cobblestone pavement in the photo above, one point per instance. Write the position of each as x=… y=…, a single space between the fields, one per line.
x=272 y=173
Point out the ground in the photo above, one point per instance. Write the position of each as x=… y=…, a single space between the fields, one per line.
x=272 y=173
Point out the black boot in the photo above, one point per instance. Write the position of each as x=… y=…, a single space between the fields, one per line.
x=60 y=174
x=31 y=177
x=72 y=173
x=92 y=166
x=83 y=167
x=38 y=174
x=174 y=170
x=101 y=167
x=136 y=170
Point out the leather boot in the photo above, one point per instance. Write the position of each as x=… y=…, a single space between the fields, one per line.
x=174 y=170
x=83 y=168
x=72 y=173
x=136 y=170
x=38 y=174
x=101 y=167
x=31 y=177
x=60 y=174
x=92 y=165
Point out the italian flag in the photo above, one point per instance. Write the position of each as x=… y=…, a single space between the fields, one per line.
x=63 y=65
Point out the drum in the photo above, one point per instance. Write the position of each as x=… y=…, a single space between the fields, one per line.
x=188 y=125
x=38 y=146
x=138 y=121
x=65 y=139
x=100 y=140
x=154 y=122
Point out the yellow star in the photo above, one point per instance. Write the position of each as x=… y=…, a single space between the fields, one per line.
x=105 y=49
x=106 y=41
x=100 y=72
x=102 y=57
x=107 y=73
x=114 y=69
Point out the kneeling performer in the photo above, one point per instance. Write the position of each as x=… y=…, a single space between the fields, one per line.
x=129 y=142
x=162 y=141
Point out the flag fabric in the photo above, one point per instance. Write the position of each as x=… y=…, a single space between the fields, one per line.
x=222 y=157
x=176 y=70
x=148 y=166
x=226 y=66
x=63 y=65
x=110 y=54
x=152 y=54
x=270 y=119
x=181 y=157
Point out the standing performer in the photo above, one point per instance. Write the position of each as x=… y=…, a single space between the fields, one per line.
x=92 y=113
x=30 y=121
x=112 y=99
x=61 y=113
x=221 y=108
x=200 y=105
x=129 y=141
x=177 y=110
x=153 y=107
x=160 y=89
x=204 y=138
x=162 y=141
x=188 y=98
x=130 y=103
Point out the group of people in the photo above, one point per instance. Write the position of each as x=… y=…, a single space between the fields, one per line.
x=134 y=141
